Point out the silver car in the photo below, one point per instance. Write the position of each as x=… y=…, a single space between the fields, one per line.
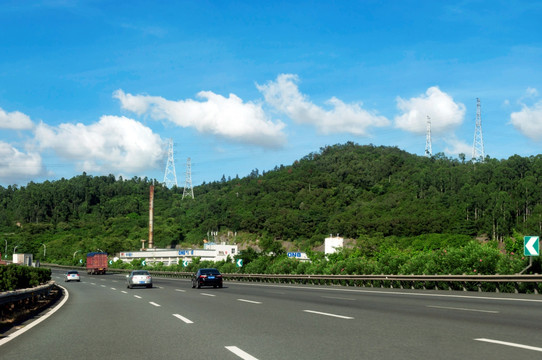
x=139 y=278
x=71 y=275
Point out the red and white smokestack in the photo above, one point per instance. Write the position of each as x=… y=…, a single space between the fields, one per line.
x=151 y=218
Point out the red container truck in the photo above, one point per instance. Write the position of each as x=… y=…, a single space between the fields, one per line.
x=96 y=263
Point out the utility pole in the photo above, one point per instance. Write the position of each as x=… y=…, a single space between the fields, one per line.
x=478 y=144
x=428 y=147
x=170 y=177
x=188 y=190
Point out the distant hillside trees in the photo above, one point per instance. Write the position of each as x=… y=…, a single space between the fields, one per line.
x=359 y=192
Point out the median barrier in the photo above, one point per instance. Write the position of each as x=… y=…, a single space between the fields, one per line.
x=482 y=283
x=18 y=299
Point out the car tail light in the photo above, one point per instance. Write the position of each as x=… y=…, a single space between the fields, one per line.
x=219 y=276
x=202 y=276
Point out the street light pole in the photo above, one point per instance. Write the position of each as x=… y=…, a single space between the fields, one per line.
x=44 y=249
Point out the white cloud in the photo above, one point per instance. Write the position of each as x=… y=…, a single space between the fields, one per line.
x=445 y=114
x=529 y=121
x=114 y=144
x=456 y=147
x=15 y=120
x=283 y=94
x=531 y=92
x=228 y=118
x=16 y=165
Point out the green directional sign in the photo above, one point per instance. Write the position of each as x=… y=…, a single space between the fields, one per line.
x=185 y=263
x=531 y=246
x=239 y=262
x=143 y=263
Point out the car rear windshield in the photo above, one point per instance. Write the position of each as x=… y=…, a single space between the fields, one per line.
x=141 y=273
x=72 y=272
x=210 y=272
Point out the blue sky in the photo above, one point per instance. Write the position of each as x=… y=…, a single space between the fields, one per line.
x=100 y=86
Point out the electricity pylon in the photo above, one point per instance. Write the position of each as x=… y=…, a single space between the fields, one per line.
x=428 y=147
x=478 y=144
x=170 y=177
x=188 y=190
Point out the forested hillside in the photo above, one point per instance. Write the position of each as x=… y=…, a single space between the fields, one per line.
x=360 y=192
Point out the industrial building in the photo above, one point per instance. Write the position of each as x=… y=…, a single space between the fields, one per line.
x=211 y=252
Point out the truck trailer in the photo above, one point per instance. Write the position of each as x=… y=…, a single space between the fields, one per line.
x=96 y=263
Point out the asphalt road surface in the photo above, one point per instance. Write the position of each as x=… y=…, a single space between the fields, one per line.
x=102 y=319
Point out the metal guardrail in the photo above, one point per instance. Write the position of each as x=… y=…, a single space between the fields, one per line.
x=493 y=283
x=489 y=283
x=22 y=294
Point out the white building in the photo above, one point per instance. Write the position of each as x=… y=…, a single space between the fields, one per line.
x=333 y=244
x=23 y=259
x=211 y=252
x=223 y=250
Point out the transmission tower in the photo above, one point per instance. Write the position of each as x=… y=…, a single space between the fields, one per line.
x=188 y=190
x=170 y=177
x=478 y=145
x=428 y=147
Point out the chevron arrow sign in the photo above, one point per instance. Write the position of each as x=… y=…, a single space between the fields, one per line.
x=531 y=246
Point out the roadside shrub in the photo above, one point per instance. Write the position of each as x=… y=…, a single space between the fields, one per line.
x=13 y=277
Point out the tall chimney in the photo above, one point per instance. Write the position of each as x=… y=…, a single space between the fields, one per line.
x=151 y=218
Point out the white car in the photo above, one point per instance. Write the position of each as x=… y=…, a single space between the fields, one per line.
x=139 y=278
x=72 y=275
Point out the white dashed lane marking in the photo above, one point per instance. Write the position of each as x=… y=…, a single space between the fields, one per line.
x=180 y=317
x=249 y=301
x=243 y=355
x=328 y=314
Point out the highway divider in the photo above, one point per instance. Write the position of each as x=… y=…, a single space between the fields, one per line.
x=531 y=284
x=15 y=301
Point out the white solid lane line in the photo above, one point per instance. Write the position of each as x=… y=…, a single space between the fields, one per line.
x=527 y=347
x=249 y=301
x=243 y=355
x=155 y=304
x=328 y=314
x=180 y=317
x=462 y=309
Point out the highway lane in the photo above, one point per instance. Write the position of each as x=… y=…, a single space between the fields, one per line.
x=241 y=320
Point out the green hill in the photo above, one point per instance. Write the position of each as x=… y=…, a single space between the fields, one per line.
x=365 y=193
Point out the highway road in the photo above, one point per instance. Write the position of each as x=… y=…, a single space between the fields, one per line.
x=102 y=319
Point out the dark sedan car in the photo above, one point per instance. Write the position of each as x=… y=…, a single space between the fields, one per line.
x=207 y=277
